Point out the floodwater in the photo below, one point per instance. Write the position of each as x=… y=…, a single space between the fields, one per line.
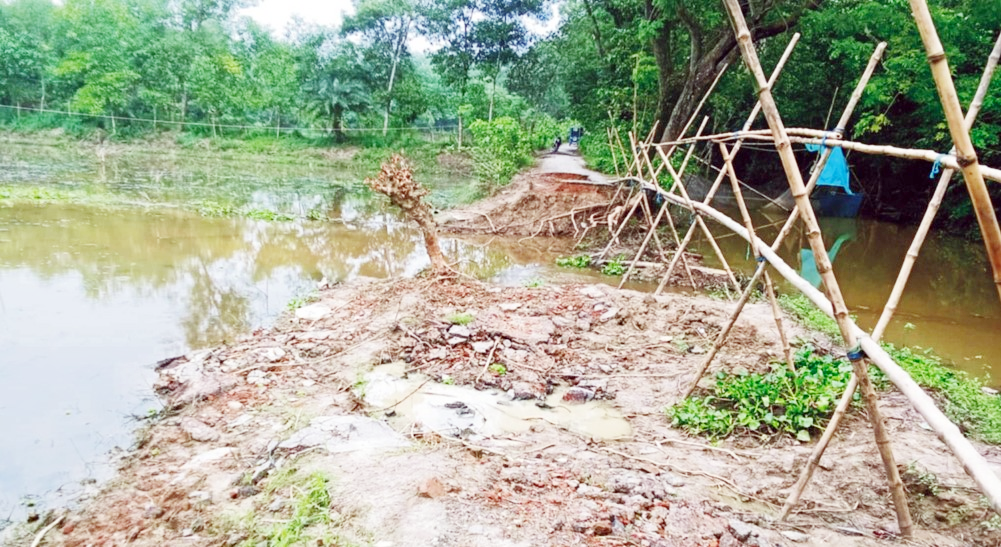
x=950 y=305
x=92 y=295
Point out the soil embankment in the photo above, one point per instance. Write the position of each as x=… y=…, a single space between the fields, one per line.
x=456 y=413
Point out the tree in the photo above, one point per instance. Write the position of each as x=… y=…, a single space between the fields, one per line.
x=386 y=25
x=339 y=86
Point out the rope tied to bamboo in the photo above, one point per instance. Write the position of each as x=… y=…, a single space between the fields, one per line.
x=936 y=167
x=856 y=353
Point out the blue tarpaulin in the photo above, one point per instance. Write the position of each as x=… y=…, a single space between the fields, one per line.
x=835 y=171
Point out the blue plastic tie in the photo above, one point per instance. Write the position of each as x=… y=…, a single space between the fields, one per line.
x=936 y=167
x=761 y=259
x=856 y=353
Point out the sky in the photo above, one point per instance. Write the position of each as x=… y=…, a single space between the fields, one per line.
x=277 y=14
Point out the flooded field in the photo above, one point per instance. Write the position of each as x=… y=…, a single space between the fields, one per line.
x=163 y=258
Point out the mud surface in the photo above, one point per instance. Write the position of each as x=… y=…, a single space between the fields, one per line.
x=392 y=391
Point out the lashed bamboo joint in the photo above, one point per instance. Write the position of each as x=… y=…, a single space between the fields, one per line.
x=866 y=348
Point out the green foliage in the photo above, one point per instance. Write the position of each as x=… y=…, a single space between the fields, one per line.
x=960 y=396
x=779 y=401
x=499 y=150
x=463 y=318
x=535 y=283
x=498 y=369
x=614 y=266
x=579 y=261
x=808 y=315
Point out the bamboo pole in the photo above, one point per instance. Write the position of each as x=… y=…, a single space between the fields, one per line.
x=632 y=209
x=660 y=214
x=611 y=150
x=670 y=220
x=749 y=224
x=799 y=193
x=973 y=463
x=966 y=155
x=719 y=178
x=790 y=222
x=898 y=289
x=701 y=222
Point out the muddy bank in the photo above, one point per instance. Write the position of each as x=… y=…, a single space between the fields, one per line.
x=430 y=412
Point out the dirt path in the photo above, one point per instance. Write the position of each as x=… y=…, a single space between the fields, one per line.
x=429 y=412
x=568 y=160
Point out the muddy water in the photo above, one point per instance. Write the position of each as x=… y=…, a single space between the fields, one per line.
x=950 y=305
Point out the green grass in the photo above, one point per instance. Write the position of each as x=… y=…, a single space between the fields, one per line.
x=959 y=395
x=614 y=266
x=311 y=508
x=809 y=315
x=579 y=261
x=461 y=318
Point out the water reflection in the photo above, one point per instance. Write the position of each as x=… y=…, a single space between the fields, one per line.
x=950 y=304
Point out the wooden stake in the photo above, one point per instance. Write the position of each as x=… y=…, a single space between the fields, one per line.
x=898 y=289
x=719 y=179
x=799 y=193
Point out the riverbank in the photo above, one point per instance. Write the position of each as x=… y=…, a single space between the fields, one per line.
x=454 y=412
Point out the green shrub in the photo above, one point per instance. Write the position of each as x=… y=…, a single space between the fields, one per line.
x=499 y=150
x=579 y=261
x=614 y=267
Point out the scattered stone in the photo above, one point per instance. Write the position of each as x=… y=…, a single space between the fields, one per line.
x=234 y=405
x=345 y=434
x=460 y=331
x=510 y=306
x=68 y=528
x=437 y=353
x=482 y=347
x=697 y=350
x=198 y=430
x=603 y=529
x=578 y=395
x=797 y=537
x=592 y=291
x=456 y=340
x=276 y=505
x=153 y=512
x=247 y=491
x=235 y=539
x=988 y=390
x=213 y=455
x=528 y=330
x=740 y=529
x=431 y=488
x=608 y=314
x=200 y=496
x=258 y=377
x=33 y=516
x=312 y=312
x=272 y=355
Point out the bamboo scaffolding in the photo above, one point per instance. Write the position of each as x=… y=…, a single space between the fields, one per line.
x=699 y=220
x=936 y=200
x=656 y=223
x=826 y=138
x=719 y=179
x=898 y=289
x=972 y=461
x=749 y=224
x=649 y=140
x=790 y=222
x=670 y=220
x=629 y=173
x=966 y=155
x=799 y=193
x=611 y=148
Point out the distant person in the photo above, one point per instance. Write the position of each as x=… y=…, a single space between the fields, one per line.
x=556 y=147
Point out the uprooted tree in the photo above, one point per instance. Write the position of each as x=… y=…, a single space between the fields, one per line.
x=396 y=180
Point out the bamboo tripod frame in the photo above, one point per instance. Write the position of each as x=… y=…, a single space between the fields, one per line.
x=865 y=347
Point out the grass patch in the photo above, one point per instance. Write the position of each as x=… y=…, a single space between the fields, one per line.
x=614 y=266
x=579 y=261
x=959 y=395
x=778 y=402
x=461 y=318
x=804 y=311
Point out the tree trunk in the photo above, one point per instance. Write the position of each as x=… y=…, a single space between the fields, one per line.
x=696 y=85
x=336 y=123
x=429 y=229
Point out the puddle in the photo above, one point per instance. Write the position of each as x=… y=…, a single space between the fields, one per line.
x=455 y=411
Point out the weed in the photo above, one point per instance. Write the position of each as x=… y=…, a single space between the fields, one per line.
x=579 y=261
x=535 y=283
x=461 y=318
x=923 y=481
x=779 y=401
x=498 y=369
x=809 y=315
x=301 y=301
x=614 y=266
x=448 y=380
x=961 y=397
